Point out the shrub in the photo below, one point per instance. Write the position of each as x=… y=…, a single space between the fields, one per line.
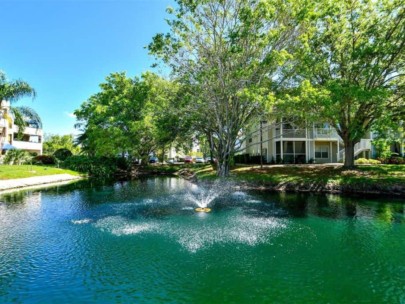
x=62 y=154
x=365 y=161
x=394 y=160
x=16 y=157
x=248 y=159
x=96 y=166
x=44 y=160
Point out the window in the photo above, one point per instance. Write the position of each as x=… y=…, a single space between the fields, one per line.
x=322 y=151
x=288 y=147
x=34 y=139
x=299 y=147
x=250 y=140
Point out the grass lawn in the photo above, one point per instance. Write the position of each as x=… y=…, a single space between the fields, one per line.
x=12 y=172
x=323 y=174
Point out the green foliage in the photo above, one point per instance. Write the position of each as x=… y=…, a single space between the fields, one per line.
x=102 y=167
x=365 y=161
x=388 y=133
x=350 y=66
x=14 y=90
x=16 y=157
x=62 y=154
x=227 y=55
x=23 y=116
x=53 y=142
x=130 y=116
x=393 y=160
x=44 y=160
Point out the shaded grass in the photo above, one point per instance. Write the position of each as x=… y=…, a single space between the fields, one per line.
x=23 y=171
x=321 y=174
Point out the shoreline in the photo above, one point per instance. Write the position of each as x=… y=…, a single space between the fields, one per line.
x=394 y=191
x=36 y=182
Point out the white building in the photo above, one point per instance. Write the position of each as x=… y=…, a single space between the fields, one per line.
x=32 y=137
x=284 y=142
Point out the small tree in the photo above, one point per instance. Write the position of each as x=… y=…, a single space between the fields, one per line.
x=54 y=142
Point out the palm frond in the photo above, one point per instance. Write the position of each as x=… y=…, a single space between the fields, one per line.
x=14 y=90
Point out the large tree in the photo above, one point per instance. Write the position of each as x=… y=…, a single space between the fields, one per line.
x=351 y=67
x=129 y=115
x=110 y=119
x=227 y=52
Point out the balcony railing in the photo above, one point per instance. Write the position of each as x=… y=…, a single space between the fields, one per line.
x=292 y=133
x=29 y=131
x=3 y=123
x=27 y=145
x=325 y=133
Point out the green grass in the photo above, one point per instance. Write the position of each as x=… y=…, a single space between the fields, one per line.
x=12 y=172
x=383 y=175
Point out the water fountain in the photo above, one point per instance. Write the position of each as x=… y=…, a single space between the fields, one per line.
x=203 y=197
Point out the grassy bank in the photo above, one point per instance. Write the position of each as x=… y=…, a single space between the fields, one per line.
x=13 y=172
x=365 y=178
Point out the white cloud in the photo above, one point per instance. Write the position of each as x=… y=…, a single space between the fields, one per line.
x=71 y=115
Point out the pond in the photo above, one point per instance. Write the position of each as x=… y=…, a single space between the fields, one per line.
x=143 y=242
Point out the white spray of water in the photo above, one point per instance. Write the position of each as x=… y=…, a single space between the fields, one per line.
x=194 y=236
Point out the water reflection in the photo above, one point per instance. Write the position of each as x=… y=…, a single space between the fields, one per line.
x=338 y=207
x=110 y=242
x=160 y=197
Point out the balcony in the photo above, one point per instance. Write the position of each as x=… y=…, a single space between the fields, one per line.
x=325 y=133
x=27 y=145
x=3 y=123
x=29 y=131
x=291 y=133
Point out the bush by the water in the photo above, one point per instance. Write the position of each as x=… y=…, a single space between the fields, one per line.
x=97 y=166
x=365 y=161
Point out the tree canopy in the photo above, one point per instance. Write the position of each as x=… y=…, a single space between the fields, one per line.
x=350 y=67
x=54 y=142
x=133 y=116
x=228 y=53
x=14 y=90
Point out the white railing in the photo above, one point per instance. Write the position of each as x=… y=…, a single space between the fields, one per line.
x=294 y=133
x=26 y=145
x=3 y=123
x=29 y=130
x=363 y=145
x=325 y=133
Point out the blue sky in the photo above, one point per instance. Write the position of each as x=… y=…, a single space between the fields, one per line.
x=66 y=48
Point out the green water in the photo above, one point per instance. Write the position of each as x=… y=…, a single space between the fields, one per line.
x=142 y=242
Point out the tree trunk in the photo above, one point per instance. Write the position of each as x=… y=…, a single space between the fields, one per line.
x=163 y=154
x=349 y=154
x=224 y=158
x=223 y=168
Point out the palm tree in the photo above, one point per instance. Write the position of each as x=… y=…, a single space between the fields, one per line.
x=12 y=91
x=24 y=115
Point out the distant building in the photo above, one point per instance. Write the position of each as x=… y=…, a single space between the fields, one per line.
x=287 y=143
x=32 y=137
